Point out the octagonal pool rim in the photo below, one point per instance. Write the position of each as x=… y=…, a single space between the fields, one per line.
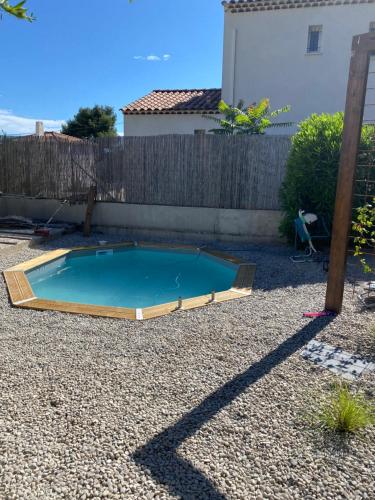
x=21 y=293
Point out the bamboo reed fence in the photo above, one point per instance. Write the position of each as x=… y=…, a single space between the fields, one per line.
x=242 y=172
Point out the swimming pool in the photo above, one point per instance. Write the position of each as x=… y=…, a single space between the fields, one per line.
x=134 y=281
x=131 y=277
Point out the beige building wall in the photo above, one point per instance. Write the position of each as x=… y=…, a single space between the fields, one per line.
x=265 y=55
x=145 y=125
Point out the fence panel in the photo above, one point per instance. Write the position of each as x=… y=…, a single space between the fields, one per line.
x=243 y=172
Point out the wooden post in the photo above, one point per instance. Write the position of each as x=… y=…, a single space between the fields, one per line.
x=363 y=46
x=91 y=198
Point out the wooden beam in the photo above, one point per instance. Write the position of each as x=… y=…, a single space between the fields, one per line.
x=89 y=211
x=19 y=287
x=39 y=261
x=362 y=47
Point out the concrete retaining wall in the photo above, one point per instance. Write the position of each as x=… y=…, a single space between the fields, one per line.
x=157 y=220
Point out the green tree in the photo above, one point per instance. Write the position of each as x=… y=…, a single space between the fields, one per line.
x=18 y=10
x=247 y=120
x=98 y=121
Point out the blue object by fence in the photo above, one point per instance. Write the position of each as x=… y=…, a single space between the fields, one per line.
x=301 y=231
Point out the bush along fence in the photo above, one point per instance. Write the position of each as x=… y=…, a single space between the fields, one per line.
x=312 y=167
x=238 y=172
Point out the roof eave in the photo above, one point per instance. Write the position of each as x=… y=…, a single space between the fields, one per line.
x=272 y=5
x=169 y=112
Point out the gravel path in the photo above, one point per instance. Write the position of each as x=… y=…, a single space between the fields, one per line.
x=205 y=404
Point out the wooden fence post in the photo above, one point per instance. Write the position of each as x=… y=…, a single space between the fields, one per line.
x=363 y=46
x=91 y=198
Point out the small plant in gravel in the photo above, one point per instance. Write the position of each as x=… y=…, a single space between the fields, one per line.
x=345 y=412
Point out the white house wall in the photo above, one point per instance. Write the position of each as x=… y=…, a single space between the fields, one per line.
x=265 y=56
x=145 y=125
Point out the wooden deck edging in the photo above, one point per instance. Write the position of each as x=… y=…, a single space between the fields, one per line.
x=22 y=295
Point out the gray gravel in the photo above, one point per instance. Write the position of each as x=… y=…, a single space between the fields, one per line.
x=208 y=403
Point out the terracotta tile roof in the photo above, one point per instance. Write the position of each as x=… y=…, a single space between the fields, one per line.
x=237 y=6
x=175 y=102
x=54 y=136
x=61 y=137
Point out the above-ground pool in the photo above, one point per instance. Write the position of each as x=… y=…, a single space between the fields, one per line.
x=131 y=277
x=130 y=281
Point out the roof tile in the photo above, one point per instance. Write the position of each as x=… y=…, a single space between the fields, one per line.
x=176 y=102
x=238 y=6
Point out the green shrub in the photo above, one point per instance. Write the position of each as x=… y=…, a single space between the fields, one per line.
x=345 y=412
x=311 y=175
x=310 y=181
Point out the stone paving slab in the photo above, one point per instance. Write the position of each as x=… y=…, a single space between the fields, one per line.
x=338 y=361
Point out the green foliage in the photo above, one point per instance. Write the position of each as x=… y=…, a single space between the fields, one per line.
x=344 y=412
x=311 y=174
x=310 y=180
x=89 y=123
x=17 y=10
x=364 y=230
x=250 y=120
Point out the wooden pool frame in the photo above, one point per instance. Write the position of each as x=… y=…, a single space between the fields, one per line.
x=21 y=293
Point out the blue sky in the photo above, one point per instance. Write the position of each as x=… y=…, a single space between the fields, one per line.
x=81 y=53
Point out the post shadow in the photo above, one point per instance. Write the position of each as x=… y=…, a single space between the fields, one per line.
x=159 y=456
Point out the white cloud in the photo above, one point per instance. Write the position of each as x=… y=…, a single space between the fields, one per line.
x=13 y=124
x=153 y=58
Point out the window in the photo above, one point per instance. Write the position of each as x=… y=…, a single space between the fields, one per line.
x=314 y=39
x=372 y=27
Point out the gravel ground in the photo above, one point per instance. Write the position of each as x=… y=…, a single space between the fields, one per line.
x=212 y=403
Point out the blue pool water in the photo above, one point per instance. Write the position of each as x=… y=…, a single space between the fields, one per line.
x=131 y=277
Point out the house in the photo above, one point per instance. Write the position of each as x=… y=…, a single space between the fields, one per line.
x=295 y=52
x=48 y=135
x=52 y=136
x=172 y=112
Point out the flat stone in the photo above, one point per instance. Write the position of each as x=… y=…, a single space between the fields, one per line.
x=338 y=361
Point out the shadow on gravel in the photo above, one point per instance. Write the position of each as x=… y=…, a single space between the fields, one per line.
x=159 y=456
x=332 y=445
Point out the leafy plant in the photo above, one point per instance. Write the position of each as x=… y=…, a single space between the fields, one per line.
x=17 y=10
x=311 y=173
x=364 y=217
x=345 y=412
x=364 y=229
x=251 y=120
